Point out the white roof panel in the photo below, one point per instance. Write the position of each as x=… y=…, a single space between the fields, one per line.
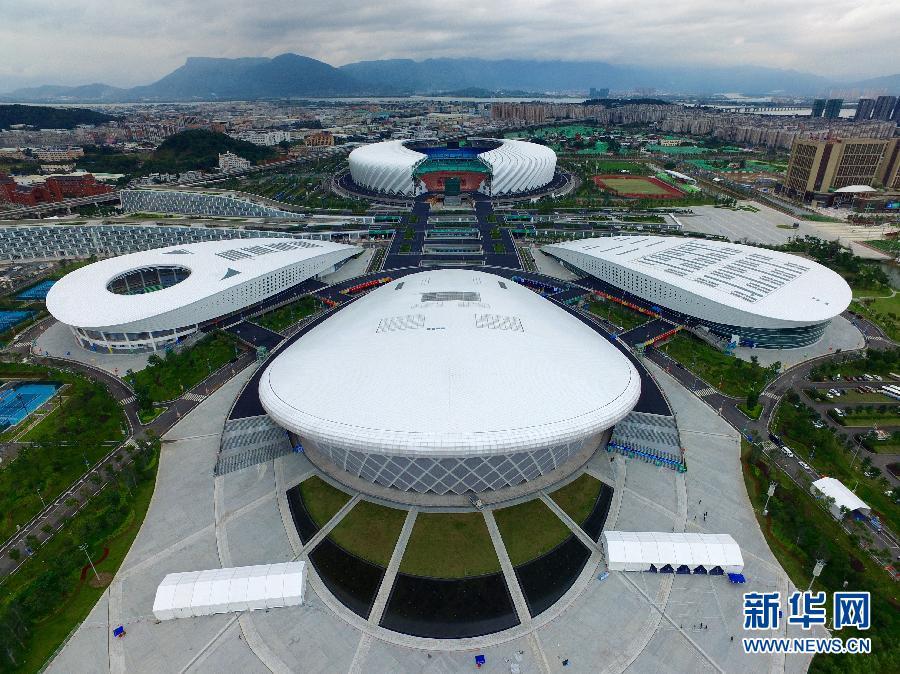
x=628 y=550
x=449 y=362
x=842 y=496
x=82 y=298
x=198 y=593
x=759 y=281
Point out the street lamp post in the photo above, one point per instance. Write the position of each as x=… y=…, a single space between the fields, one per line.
x=772 y=486
x=83 y=547
x=38 y=490
x=817 y=570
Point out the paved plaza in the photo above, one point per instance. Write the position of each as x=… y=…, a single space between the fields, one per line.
x=771 y=227
x=639 y=622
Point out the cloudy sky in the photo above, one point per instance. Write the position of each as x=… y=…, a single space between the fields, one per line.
x=129 y=42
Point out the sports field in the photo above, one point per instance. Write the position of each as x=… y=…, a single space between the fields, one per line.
x=641 y=187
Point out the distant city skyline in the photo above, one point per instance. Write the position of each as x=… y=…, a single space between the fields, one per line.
x=136 y=41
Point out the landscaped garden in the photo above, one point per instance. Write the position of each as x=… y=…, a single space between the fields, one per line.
x=449 y=545
x=66 y=442
x=168 y=377
x=799 y=531
x=284 y=317
x=830 y=455
x=732 y=376
x=617 y=314
x=55 y=589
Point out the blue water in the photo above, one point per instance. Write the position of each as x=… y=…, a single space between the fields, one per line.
x=18 y=402
x=10 y=318
x=38 y=292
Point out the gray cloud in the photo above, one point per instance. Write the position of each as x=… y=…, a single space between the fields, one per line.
x=128 y=42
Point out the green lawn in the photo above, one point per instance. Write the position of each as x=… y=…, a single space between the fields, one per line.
x=89 y=417
x=322 y=501
x=577 y=499
x=449 y=545
x=286 y=316
x=617 y=314
x=529 y=530
x=370 y=531
x=617 y=166
x=869 y=419
x=798 y=532
x=753 y=413
x=732 y=376
x=887 y=245
x=48 y=594
x=167 y=378
x=499 y=248
x=794 y=425
x=884 y=311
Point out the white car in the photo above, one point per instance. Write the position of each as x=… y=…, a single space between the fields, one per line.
x=805 y=466
x=787 y=452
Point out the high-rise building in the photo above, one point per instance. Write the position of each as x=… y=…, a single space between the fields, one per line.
x=818 y=107
x=819 y=166
x=884 y=108
x=833 y=108
x=864 y=109
x=599 y=93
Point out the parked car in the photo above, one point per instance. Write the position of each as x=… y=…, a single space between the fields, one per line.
x=805 y=466
x=787 y=452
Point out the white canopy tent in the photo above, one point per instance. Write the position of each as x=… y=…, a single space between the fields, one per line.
x=671 y=552
x=244 y=588
x=829 y=487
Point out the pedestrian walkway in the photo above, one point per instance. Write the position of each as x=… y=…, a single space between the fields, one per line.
x=705 y=392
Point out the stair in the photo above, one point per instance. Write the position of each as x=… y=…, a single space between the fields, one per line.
x=250 y=441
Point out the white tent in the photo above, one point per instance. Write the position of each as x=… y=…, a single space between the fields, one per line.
x=829 y=487
x=197 y=593
x=663 y=551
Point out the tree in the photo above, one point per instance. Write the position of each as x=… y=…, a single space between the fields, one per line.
x=15 y=554
x=752 y=399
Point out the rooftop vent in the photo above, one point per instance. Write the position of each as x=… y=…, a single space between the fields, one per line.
x=451 y=296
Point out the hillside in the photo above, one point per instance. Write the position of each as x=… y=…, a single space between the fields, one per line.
x=49 y=118
x=294 y=76
x=288 y=75
x=199 y=149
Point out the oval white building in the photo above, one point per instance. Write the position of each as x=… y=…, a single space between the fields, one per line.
x=146 y=301
x=491 y=166
x=450 y=381
x=767 y=298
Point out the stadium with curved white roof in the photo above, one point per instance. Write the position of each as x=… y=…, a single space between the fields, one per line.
x=450 y=381
x=490 y=166
x=768 y=299
x=146 y=301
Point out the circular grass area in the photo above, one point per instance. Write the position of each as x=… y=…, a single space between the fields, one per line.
x=450 y=545
x=322 y=501
x=577 y=499
x=529 y=530
x=370 y=531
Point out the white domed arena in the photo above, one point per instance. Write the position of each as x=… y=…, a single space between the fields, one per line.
x=489 y=166
x=448 y=382
x=149 y=300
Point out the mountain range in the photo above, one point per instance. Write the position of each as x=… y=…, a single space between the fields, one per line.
x=294 y=76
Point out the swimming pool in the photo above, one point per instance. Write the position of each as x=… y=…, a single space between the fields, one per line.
x=19 y=401
x=10 y=318
x=37 y=292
